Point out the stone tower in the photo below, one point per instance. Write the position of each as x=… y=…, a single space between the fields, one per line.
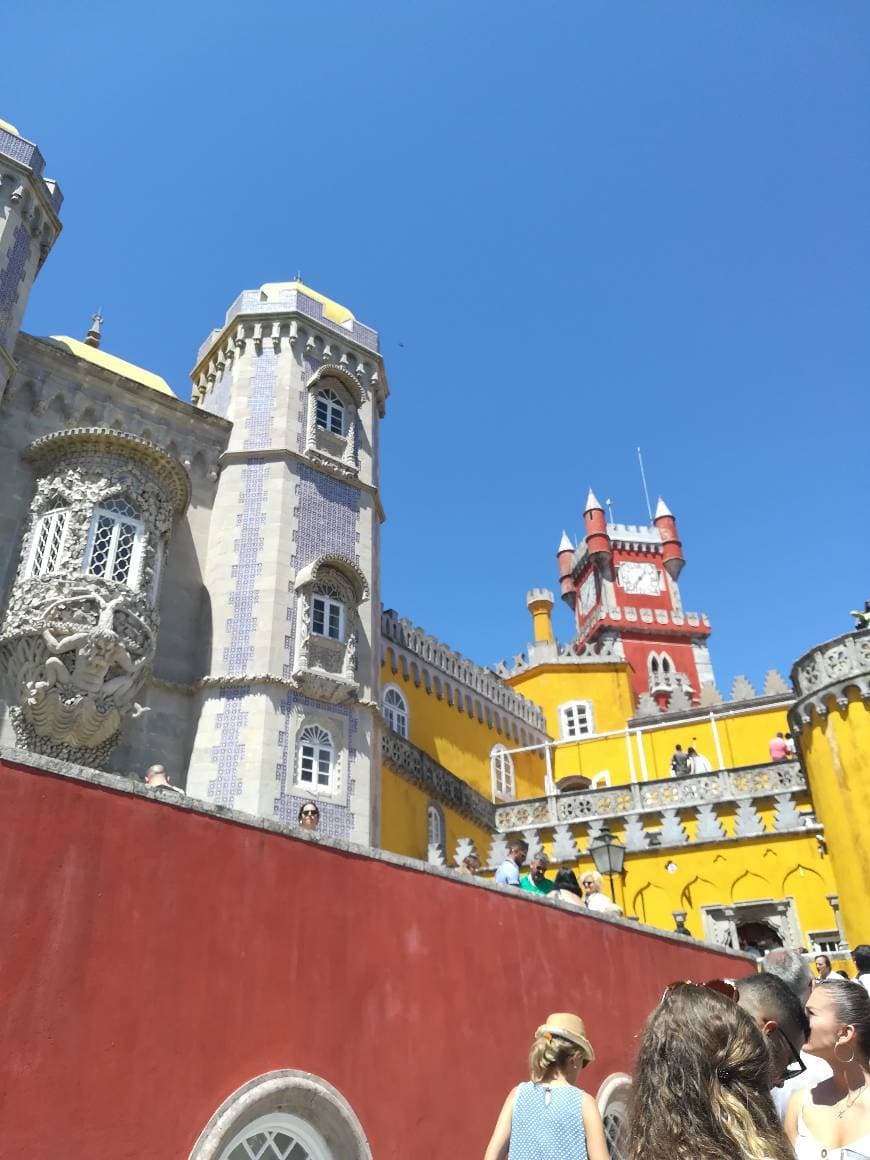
x=29 y=225
x=288 y=708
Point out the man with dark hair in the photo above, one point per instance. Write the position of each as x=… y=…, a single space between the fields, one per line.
x=861 y=959
x=508 y=874
x=781 y=1018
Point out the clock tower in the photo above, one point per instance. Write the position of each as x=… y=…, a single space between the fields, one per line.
x=621 y=582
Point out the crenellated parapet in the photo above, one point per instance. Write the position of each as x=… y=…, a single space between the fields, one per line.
x=471 y=680
x=823 y=677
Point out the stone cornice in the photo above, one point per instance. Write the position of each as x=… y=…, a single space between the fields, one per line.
x=445 y=787
x=277 y=454
x=826 y=673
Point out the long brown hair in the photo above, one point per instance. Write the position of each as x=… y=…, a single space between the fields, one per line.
x=702 y=1084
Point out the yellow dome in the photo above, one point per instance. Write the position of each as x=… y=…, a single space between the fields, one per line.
x=334 y=311
x=9 y=128
x=111 y=362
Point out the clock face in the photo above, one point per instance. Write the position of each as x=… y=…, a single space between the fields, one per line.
x=639 y=579
x=588 y=595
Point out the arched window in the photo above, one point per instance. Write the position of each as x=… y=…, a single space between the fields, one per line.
x=277 y=1137
x=503 y=783
x=327 y=613
x=435 y=829
x=115 y=542
x=576 y=719
x=47 y=543
x=330 y=412
x=396 y=710
x=316 y=757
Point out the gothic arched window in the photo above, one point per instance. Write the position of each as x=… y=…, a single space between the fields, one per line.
x=330 y=412
x=435 y=828
x=115 y=543
x=316 y=758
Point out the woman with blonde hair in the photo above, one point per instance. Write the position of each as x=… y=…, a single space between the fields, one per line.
x=702 y=1082
x=833 y=1118
x=549 y=1118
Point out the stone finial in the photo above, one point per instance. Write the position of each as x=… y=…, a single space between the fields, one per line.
x=464 y=849
x=709 y=696
x=647 y=706
x=564 y=848
x=786 y=814
x=742 y=689
x=498 y=851
x=535 y=845
x=635 y=835
x=435 y=855
x=94 y=335
x=679 y=702
x=775 y=683
x=747 y=820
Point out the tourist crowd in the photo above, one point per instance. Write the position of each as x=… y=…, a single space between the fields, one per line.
x=775 y=1066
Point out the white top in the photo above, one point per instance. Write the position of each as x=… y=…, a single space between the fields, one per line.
x=817 y=1070
x=864 y=980
x=807 y=1147
x=600 y=902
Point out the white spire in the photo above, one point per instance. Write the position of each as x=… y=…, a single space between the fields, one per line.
x=592 y=503
x=565 y=544
x=662 y=509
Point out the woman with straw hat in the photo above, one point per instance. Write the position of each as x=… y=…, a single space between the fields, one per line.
x=549 y=1118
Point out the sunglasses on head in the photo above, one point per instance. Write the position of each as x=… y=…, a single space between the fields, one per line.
x=724 y=987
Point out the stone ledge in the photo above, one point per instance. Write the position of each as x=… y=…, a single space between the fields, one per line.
x=118 y=783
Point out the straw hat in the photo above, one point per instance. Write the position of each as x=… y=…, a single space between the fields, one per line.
x=568 y=1027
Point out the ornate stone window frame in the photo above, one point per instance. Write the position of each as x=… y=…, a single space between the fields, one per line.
x=339 y=580
x=292 y=1093
x=436 y=828
x=336 y=727
x=325 y=445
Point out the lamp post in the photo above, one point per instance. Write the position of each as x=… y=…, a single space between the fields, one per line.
x=608 y=855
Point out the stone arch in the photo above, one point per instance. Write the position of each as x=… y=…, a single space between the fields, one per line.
x=310 y=1098
x=749 y=880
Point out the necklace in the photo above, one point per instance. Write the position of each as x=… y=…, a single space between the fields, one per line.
x=851 y=1103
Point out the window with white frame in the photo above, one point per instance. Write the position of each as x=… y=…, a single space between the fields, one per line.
x=327 y=615
x=576 y=719
x=115 y=542
x=435 y=830
x=503 y=783
x=316 y=758
x=330 y=412
x=277 y=1137
x=396 y=710
x=47 y=544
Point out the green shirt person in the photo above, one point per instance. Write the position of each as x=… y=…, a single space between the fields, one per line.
x=536 y=881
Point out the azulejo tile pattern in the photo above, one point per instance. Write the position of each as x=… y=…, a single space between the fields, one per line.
x=261 y=403
x=13 y=275
x=229 y=753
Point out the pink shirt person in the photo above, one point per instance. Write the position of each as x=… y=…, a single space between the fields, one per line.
x=778 y=748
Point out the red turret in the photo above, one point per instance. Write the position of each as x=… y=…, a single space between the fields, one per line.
x=565 y=556
x=672 y=550
x=597 y=540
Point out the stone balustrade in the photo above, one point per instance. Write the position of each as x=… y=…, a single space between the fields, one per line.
x=825 y=674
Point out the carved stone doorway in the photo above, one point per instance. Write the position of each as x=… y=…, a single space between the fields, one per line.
x=757 y=926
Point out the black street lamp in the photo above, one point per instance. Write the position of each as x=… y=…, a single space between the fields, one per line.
x=608 y=854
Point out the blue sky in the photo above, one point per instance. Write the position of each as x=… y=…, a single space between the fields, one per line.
x=579 y=227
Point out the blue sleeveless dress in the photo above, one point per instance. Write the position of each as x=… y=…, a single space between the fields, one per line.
x=547 y=1131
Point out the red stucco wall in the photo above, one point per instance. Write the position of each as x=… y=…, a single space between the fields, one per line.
x=154 y=959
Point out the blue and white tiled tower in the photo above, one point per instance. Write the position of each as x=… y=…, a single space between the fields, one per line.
x=288 y=709
x=29 y=225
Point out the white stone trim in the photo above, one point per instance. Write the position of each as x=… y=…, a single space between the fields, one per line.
x=297 y=1093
